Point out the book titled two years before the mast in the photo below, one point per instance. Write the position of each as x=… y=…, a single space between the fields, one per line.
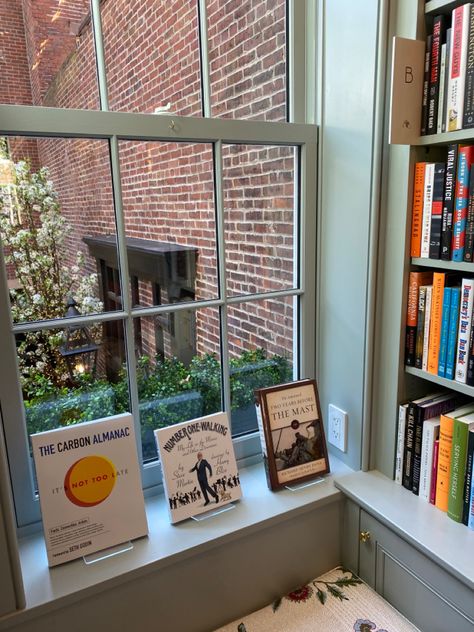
x=292 y=433
x=89 y=487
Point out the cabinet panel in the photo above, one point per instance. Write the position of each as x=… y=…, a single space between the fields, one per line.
x=426 y=594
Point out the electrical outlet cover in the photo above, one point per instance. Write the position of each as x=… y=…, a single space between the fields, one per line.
x=337 y=427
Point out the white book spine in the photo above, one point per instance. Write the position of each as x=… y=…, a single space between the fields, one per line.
x=457 y=67
x=442 y=74
x=464 y=330
x=427 y=204
x=426 y=332
x=430 y=434
x=402 y=416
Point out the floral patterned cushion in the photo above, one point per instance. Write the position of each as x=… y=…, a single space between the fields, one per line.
x=335 y=602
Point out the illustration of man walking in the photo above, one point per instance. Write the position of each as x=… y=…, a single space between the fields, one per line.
x=201 y=468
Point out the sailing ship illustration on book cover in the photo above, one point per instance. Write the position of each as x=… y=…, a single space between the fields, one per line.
x=198 y=463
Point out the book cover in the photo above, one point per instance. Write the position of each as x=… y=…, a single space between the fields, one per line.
x=453 y=333
x=461 y=200
x=415 y=280
x=444 y=454
x=436 y=211
x=426 y=83
x=426 y=327
x=448 y=203
x=439 y=38
x=443 y=345
x=468 y=478
x=417 y=208
x=441 y=405
x=442 y=81
x=430 y=435
x=461 y=428
x=457 y=67
x=434 y=472
x=427 y=206
x=470 y=360
x=293 y=433
x=198 y=464
x=468 y=117
x=464 y=329
x=89 y=487
x=446 y=80
x=402 y=416
x=439 y=280
x=420 y=326
x=469 y=239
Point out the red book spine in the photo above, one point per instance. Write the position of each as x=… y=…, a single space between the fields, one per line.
x=434 y=472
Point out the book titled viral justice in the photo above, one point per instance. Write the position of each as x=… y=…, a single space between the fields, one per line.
x=89 y=487
x=292 y=433
x=199 y=467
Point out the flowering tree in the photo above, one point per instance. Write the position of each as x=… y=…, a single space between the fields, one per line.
x=34 y=234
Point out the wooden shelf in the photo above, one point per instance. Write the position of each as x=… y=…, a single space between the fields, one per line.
x=454 y=266
x=442 y=381
x=434 y=7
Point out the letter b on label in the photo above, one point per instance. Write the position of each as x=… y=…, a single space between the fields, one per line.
x=408 y=74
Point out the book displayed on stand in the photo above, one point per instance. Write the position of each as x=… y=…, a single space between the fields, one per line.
x=198 y=464
x=291 y=433
x=89 y=487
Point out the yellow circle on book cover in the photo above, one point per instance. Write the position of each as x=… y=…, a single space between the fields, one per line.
x=90 y=480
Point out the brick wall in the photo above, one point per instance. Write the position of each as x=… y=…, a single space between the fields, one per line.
x=152 y=59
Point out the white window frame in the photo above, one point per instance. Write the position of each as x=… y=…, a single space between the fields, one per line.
x=116 y=126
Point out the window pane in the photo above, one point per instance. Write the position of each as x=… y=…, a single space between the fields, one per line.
x=247 y=57
x=179 y=370
x=261 y=342
x=152 y=56
x=48 y=56
x=168 y=201
x=260 y=218
x=72 y=376
x=57 y=227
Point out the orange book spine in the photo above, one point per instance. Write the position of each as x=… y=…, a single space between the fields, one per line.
x=444 y=461
x=417 y=210
x=435 y=321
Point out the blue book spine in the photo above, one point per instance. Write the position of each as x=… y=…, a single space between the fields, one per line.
x=452 y=333
x=460 y=205
x=443 y=345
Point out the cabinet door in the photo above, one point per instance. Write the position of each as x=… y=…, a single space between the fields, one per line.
x=427 y=595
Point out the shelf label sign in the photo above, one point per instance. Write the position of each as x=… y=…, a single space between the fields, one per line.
x=407 y=91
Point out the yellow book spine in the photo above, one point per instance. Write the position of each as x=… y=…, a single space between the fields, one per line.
x=435 y=322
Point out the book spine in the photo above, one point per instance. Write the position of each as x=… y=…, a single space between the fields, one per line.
x=452 y=333
x=407 y=478
x=427 y=445
x=402 y=416
x=420 y=327
x=461 y=202
x=470 y=522
x=464 y=330
x=426 y=82
x=457 y=67
x=468 y=478
x=448 y=203
x=434 y=472
x=446 y=80
x=468 y=117
x=444 y=462
x=436 y=211
x=439 y=34
x=470 y=359
x=435 y=324
x=458 y=470
x=417 y=441
x=427 y=204
x=443 y=345
x=469 y=240
x=442 y=81
x=417 y=209
x=415 y=280
x=426 y=332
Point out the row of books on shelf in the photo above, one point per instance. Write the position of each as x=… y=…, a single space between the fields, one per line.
x=435 y=453
x=439 y=326
x=443 y=207
x=448 y=84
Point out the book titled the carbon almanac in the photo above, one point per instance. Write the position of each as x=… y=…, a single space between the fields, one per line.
x=292 y=433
